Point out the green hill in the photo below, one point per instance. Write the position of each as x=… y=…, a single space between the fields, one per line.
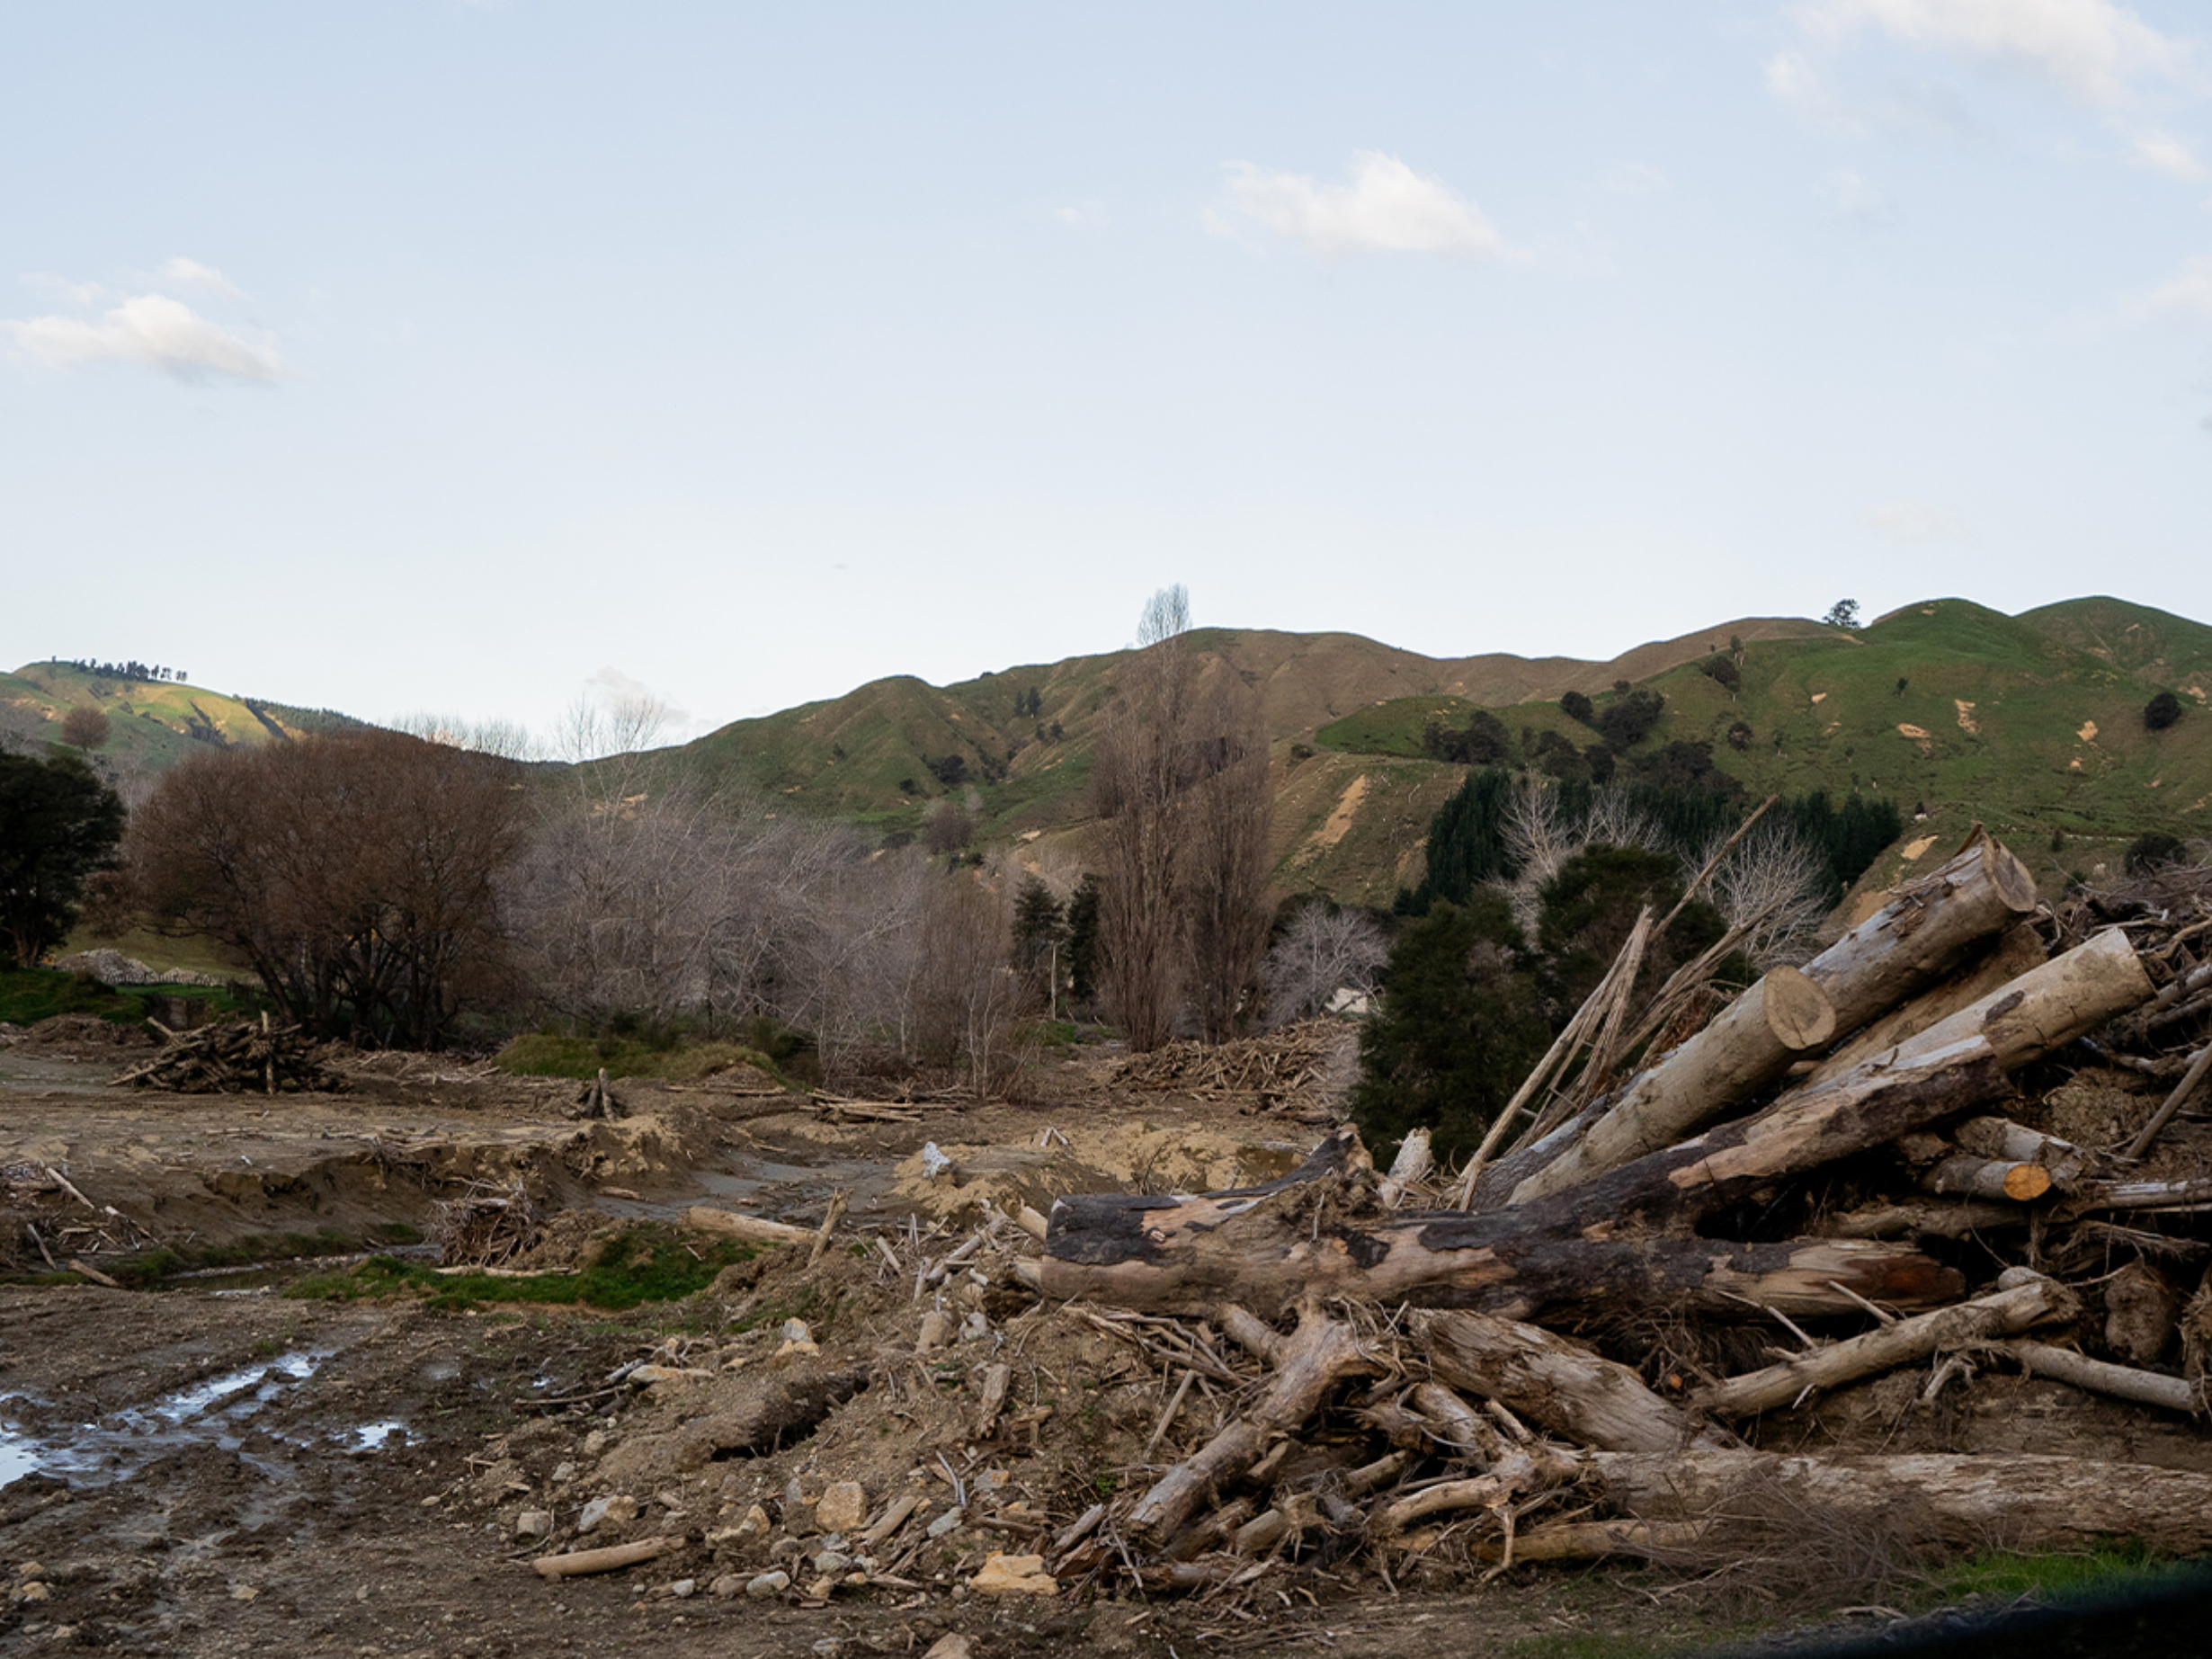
x=2031 y=723
x=153 y=723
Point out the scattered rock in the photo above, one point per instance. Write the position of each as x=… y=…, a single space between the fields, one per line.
x=683 y=1588
x=936 y=1330
x=534 y=1523
x=726 y=1586
x=1013 y=1575
x=843 y=1507
x=953 y=1644
x=595 y=1442
x=950 y=1521
x=768 y=1585
x=616 y=1506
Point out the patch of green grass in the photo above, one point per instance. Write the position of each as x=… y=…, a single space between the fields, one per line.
x=542 y=1053
x=2055 y=1577
x=145 y=1272
x=637 y=1265
x=29 y=994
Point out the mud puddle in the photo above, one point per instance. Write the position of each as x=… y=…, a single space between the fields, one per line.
x=221 y=1413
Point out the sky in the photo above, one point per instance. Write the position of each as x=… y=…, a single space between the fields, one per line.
x=479 y=359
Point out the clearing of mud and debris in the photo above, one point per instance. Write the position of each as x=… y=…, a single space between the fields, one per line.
x=1892 y=1261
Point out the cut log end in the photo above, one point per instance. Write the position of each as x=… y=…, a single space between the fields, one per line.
x=1797 y=1010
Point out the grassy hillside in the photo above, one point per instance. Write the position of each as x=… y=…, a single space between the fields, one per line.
x=2031 y=724
x=154 y=723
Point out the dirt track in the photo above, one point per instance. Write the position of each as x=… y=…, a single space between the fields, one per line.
x=214 y=1470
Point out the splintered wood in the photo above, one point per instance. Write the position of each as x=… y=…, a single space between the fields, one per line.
x=1843 y=1156
x=1275 y=1067
x=235 y=1058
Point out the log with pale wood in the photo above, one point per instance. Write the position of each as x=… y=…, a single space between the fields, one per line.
x=2039 y=1301
x=1911 y=941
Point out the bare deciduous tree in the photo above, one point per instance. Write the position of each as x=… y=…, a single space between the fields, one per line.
x=1322 y=952
x=1775 y=884
x=1180 y=783
x=359 y=875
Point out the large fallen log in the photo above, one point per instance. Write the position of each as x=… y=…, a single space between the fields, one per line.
x=1911 y=941
x=2019 y=1500
x=1555 y=1382
x=2019 y=949
x=1319 y=1232
x=2044 y=1009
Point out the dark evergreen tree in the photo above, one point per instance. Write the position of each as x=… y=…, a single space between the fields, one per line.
x=59 y=825
x=2161 y=711
x=1457 y=1027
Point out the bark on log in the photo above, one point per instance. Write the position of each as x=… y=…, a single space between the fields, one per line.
x=1998 y=1315
x=1954 y=1220
x=1594 y=1541
x=707 y=1219
x=2175 y=1393
x=1910 y=943
x=1309 y=1360
x=1527 y=1469
x=1557 y=1382
x=2001 y=1138
x=1964 y=1175
x=2028 y=1502
x=2044 y=1009
x=2018 y=950
x=1315 y=1234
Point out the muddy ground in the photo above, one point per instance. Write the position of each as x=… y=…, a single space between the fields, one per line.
x=212 y=1467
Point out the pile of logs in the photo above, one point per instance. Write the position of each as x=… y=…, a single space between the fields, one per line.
x=1533 y=1367
x=1274 y=1068
x=236 y=1057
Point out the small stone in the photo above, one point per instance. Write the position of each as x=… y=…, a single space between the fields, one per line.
x=30 y=1569
x=791 y=1353
x=936 y=1332
x=953 y=1644
x=786 y=1548
x=730 y=1584
x=683 y=1589
x=822 y=1589
x=244 y=1593
x=767 y=1586
x=843 y=1507
x=616 y=1506
x=564 y=1473
x=796 y=1330
x=595 y=1442
x=974 y=1327
x=534 y=1523
x=1013 y=1575
x=32 y=1590
x=950 y=1521
x=830 y=1561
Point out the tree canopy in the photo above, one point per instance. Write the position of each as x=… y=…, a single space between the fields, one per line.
x=59 y=824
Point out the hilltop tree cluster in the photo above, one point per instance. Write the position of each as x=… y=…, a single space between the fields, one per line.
x=129 y=669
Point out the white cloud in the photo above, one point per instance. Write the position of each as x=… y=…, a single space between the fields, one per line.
x=1386 y=206
x=2161 y=153
x=1856 y=200
x=2101 y=53
x=194 y=275
x=2189 y=291
x=155 y=331
x=1919 y=521
x=1087 y=216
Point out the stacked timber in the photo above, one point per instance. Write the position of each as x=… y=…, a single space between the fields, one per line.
x=1842 y=1155
x=236 y=1057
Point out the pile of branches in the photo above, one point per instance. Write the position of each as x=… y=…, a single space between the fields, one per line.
x=1552 y=1352
x=1274 y=1066
x=490 y=1224
x=236 y=1057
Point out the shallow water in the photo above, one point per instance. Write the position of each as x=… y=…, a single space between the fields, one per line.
x=219 y=1413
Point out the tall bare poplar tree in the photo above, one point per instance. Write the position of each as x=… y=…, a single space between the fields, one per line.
x=1180 y=782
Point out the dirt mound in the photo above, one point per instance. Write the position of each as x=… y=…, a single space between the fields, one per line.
x=74 y=1033
x=959 y=1182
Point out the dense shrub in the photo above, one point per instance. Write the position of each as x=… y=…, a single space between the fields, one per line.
x=2161 y=711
